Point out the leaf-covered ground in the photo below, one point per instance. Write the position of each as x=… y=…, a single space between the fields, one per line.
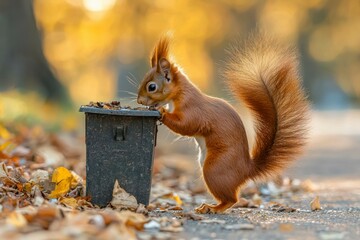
x=42 y=196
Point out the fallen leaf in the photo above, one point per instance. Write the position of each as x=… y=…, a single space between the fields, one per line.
x=257 y=200
x=172 y=196
x=117 y=231
x=240 y=226
x=142 y=209
x=191 y=215
x=62 y=177
x=278 y=207
x=69 y=202
x=4 y=133
x=39 y=176
x=38 y=199
x=315 y=204
x=175 y=208
x=286 y=227
x=51 y=156
x=5 y=145
x=109 y=216
x=151 y=207
x=3 y=171
x=131 y=219
x=76 y=180
x=43 y=217
x=16 y=219
x=121 y=199
x=28 y=186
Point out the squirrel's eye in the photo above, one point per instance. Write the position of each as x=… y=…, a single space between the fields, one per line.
x=151 y=87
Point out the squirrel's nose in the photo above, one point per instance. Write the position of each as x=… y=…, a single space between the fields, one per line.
x=141 y=100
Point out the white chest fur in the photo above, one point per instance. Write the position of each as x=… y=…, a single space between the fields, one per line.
x=170 y=107
x=201 y=144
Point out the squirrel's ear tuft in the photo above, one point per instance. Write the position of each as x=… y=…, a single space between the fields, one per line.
x=161 y=50
x=153 y=58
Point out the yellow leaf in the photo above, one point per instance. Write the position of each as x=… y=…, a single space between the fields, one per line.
x=62 y=177
x=69 y=202
x=173 y=196
x=4 y=145
x=4 y=133
x=28 y=186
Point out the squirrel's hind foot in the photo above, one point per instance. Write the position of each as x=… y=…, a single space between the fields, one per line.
x=213 y=209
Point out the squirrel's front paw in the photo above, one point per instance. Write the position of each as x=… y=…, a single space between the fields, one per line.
x=162 y=111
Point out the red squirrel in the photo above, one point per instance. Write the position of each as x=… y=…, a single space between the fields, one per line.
x=261 y=74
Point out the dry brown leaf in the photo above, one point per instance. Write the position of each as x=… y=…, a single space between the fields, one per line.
x=151 y=207
x=43 y=217
x=40 y=176
x=3 y=171
x=69 y=202
x=38 y=199
x=286 y=227
x=131 y=219
x=191 y=215
x=257 y=200
x=109 y=216
x=16 y=219
x=278 y=207
x=76 y=180
x=118 y=231
x=142 y=209
x=51 y=156
x=315 y=204
x=175 y=208
x=121 y=199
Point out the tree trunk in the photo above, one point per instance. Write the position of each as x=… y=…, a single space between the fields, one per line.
x=22 y=62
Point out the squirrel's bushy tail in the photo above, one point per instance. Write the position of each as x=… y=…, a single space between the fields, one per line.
x=264 y=75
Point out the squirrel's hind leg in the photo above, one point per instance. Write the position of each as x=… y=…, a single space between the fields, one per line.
x=222 y=182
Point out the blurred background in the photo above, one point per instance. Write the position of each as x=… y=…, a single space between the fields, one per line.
x=56 y=55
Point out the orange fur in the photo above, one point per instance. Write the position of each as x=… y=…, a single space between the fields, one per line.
x=264 y=76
